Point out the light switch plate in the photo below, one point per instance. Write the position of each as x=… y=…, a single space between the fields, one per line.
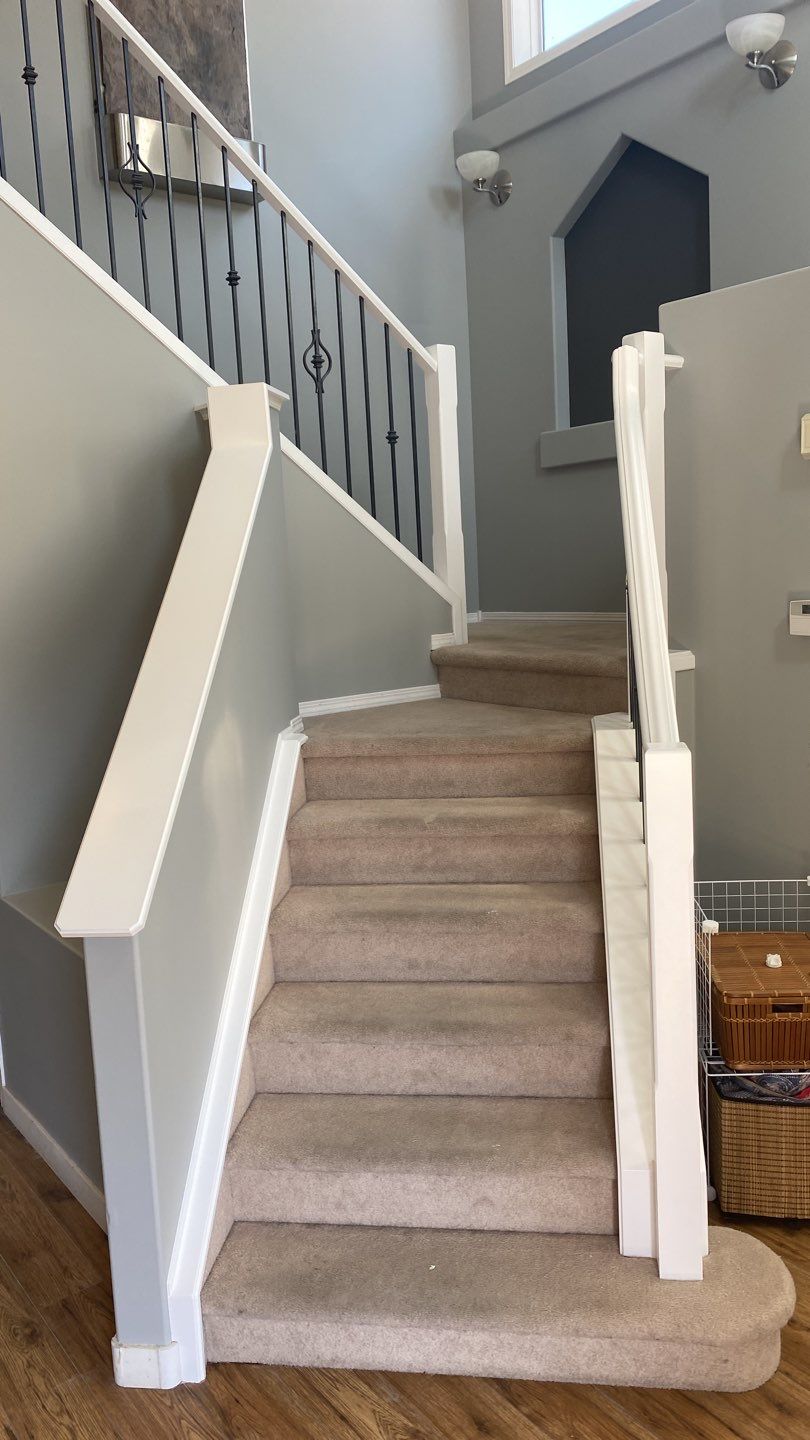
x=806 y=437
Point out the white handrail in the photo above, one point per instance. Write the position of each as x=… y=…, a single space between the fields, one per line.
x=666 y=791
x=659 y=720
x=116 y=870
x=119 y=26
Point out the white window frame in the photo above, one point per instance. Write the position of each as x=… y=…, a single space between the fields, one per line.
x=523 y=34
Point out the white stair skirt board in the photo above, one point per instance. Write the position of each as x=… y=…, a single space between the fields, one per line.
x=369 y=701
x=187 y=1267
x=627 y=948
x=80 y=1185
x=146 y=1367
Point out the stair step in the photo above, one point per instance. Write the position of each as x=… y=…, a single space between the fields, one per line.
x=540 y=1307
x=439 y=748
x=575 y=666
x=528 y=838
x=438 y=1039
x=440 y=932
x=489 y=1164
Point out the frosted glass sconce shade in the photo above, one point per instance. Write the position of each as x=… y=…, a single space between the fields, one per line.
x=758 y=39
x=480 y=169
x=752 y=34
x=478 y=164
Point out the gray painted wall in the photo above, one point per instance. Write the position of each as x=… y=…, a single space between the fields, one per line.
x=47 y=1062
x=102 y=456
x=362 y=620
x=549 y=538
x=738 y=502
x=357 y=104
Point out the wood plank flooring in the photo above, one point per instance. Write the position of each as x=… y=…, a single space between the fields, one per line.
x=56 y=1383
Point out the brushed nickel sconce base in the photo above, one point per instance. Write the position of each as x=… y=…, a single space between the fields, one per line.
x=776 y=66
x=499 y=189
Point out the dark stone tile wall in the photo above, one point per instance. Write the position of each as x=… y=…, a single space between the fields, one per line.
x=203 y=40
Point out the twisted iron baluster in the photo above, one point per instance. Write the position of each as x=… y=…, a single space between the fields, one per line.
x=316 y=359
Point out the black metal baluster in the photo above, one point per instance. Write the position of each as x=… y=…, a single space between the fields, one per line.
x=635 y=709
x=233 y=277
x=2 y=154
x=290 y=329
x=74 y=187
x=167 y=165
x=260 y=278
x=392 y=436
x=343 y=393
x=320 y=365
x=101 y=131
x=29 y=77
x=209 y=329
x=369 y=432
x=414 y=451
x=137 y=180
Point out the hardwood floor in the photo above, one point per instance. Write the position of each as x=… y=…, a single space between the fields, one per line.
x=56 y=1384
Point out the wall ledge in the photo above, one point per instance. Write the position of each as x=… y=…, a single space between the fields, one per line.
x=581 y=445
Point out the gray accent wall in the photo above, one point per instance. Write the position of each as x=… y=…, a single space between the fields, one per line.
x=738 y=519
x=102 y=457
x=357 y=104
x=362 y=620
x=549 y=534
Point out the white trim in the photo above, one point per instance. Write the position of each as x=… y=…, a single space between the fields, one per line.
x=297 y=457
x=517 y=22
x=370 y=701
x=116 y=870
x=146 y=1367
x=187 y=1267
x=567 y=615
x=681 y=660
x=627 y=949
x=99 y=277
x=81 y=1187
x=439 y=642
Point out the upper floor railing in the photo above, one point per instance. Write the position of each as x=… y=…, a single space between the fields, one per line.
x=665 y=780
x=180 y=213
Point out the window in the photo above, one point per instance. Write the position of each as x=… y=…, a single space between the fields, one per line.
x=535 y=31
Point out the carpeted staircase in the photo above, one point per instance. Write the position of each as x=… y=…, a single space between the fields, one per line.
x=424 y=1177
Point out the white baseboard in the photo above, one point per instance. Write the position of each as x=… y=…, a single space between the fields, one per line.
x=369 y=701
x=438 y=642
x=146 y=1367
x=81 y=1187
x=589 y=615
x=187 y=1267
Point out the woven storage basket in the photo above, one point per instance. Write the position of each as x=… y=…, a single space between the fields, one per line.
x=760 y=1016
x=760 y=1157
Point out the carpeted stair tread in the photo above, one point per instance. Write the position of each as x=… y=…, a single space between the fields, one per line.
x=445 y=727
x=443 y=911
x=558 y=815
x=539 y=1306
x=440 y=932
x=465 y=1163
x=401 y=1038
x=555 y=647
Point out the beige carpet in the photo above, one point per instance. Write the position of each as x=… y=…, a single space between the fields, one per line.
x=424 y=1173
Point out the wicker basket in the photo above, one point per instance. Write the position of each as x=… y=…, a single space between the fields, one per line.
x=761 y=1016
x=760 y=1157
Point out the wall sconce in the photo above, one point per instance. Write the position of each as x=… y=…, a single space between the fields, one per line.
x=480 y=167
x=758 y=38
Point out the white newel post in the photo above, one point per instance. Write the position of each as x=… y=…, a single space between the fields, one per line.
x=680 y=1170
x=445 y=481
x=652 y=388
